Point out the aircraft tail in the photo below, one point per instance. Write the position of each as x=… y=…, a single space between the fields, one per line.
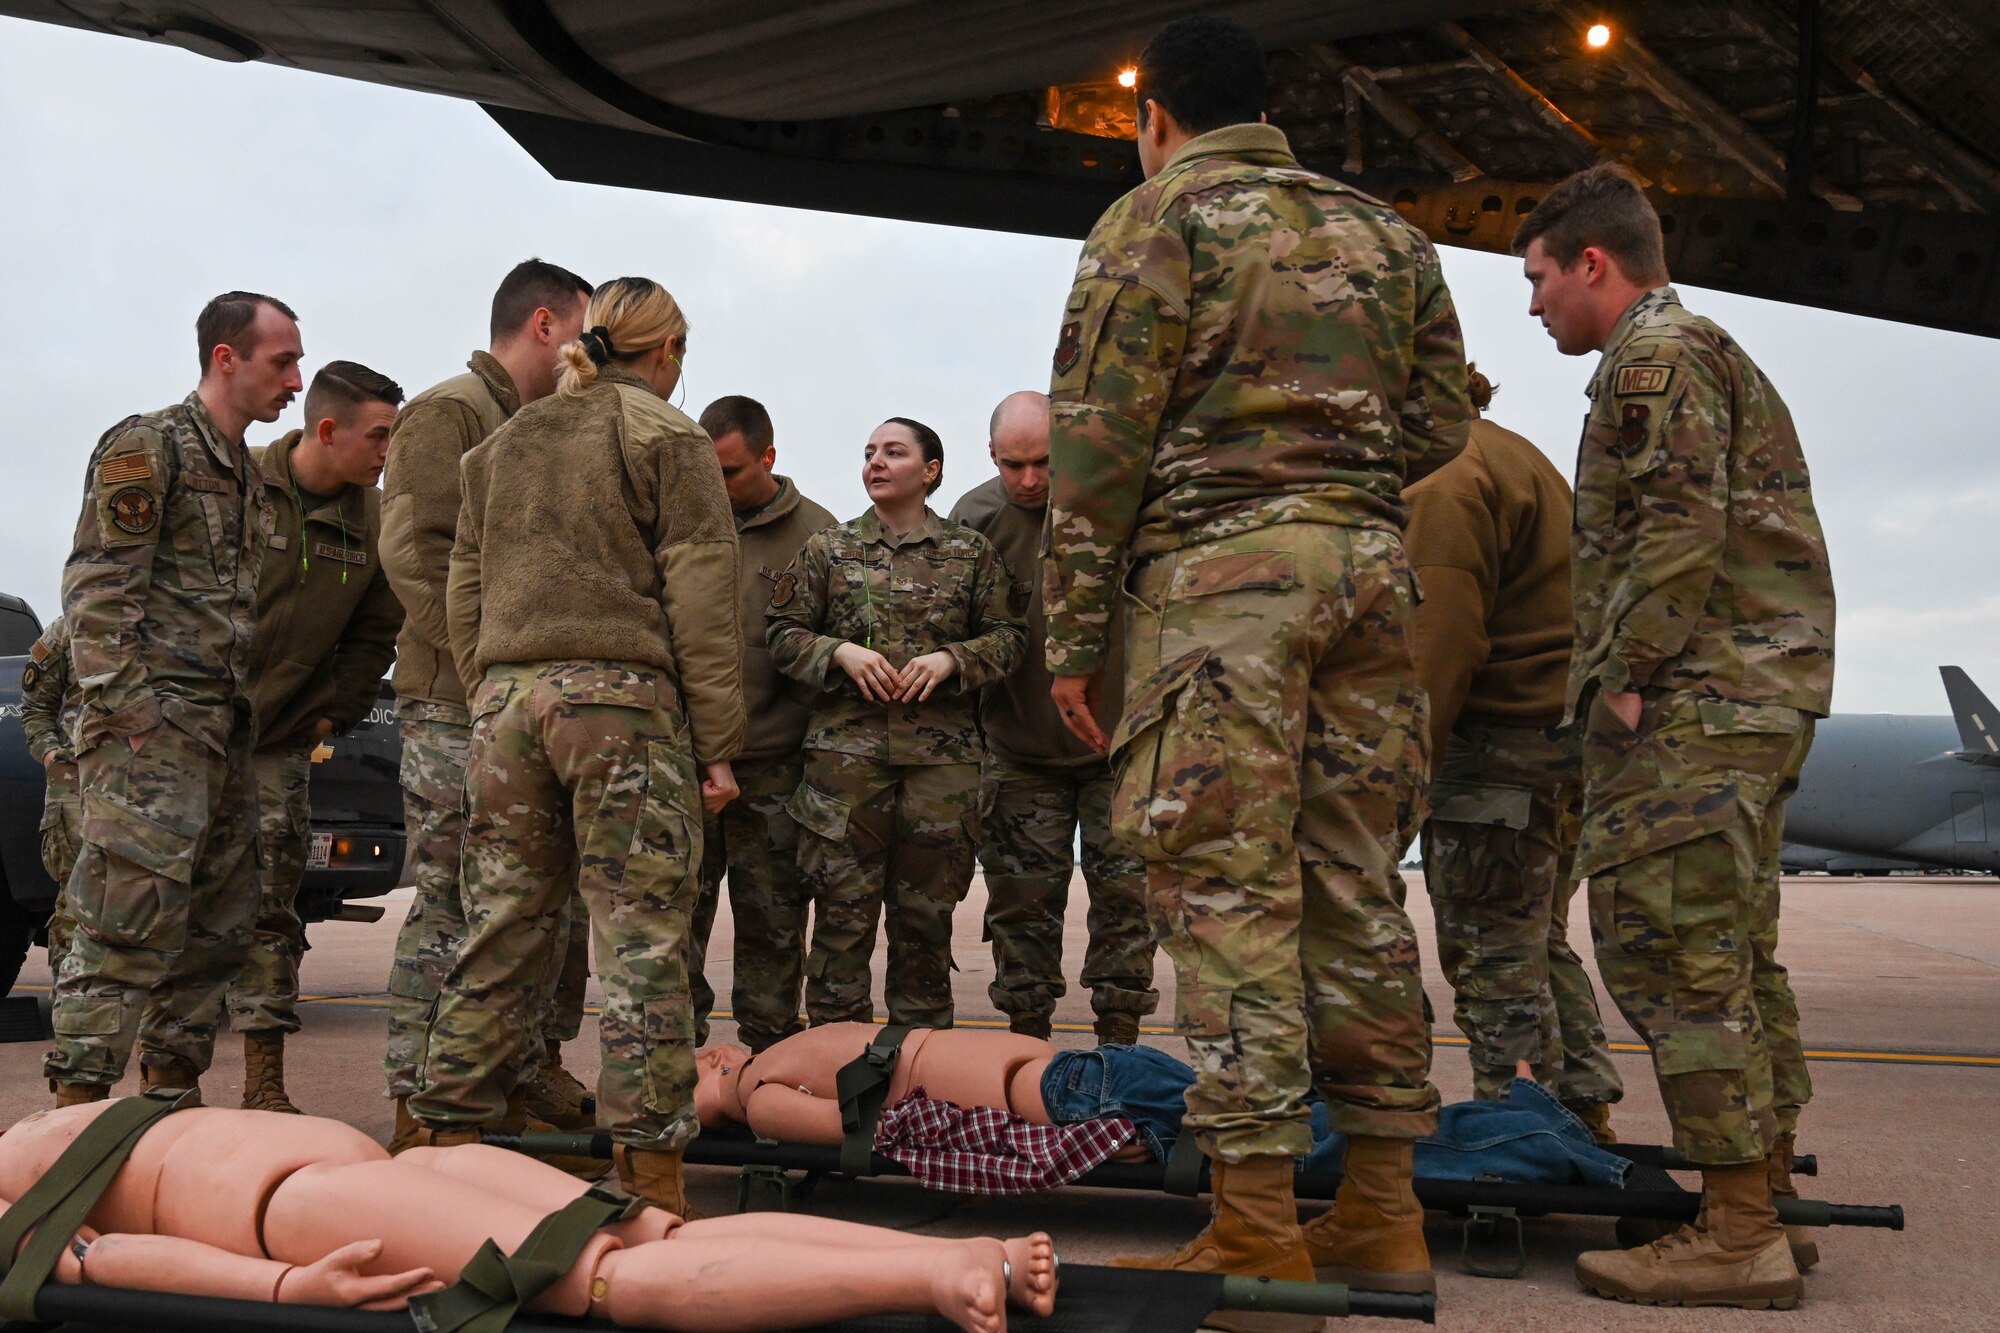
x=1978 y=721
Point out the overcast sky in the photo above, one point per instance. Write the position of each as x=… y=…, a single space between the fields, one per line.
x=140 y=180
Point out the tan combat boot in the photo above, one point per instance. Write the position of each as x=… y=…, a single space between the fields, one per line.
x=264 y=1073
x=654 y=1174
x=1253 y=1232
x=1030 y=1025
x=552 y=1094
x=1596 y=1116
x=78 y=1094
x=518 y=1119
x=1373 y=1236
x=169 y=1071
x=1805 y=1246
x=1735 y=1254
x=407 y=1128
x=1120 y=1029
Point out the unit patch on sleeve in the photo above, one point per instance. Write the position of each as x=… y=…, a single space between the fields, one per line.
x=1069 y=347
x=782 y=595
x=1644 y=378
x=30 y=675
x=134 y=510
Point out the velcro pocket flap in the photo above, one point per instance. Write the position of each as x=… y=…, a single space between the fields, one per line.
x=124 y=832
x=1149 y=704
x=614 y=687
x=1239 y=571
x=1480 y=803
x=813 y=809
x=1723 y=717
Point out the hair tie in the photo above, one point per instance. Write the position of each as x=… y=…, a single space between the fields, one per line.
x=597 y=343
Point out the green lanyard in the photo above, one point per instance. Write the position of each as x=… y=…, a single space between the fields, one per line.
x=305 y=561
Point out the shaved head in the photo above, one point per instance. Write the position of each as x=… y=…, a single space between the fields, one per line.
x=1018 y=439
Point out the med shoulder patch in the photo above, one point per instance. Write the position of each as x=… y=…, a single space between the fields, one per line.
x=1641 y=378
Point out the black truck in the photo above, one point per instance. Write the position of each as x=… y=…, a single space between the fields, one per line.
x=357 y=813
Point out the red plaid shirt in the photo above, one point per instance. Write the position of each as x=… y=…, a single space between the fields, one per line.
x=978 y=1150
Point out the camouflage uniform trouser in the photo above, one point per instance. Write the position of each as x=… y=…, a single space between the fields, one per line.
x=264 y=997
x=1682 y=825
x=881 y=839
x=62 y=830
x=1269 y=761
x=581 y=782
x=1497 y=856
x=435 y=748
x=1031 y=815
x=756 y=844
x=162 y=898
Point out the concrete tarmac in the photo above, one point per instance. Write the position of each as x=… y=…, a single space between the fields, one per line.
x=1898 y=981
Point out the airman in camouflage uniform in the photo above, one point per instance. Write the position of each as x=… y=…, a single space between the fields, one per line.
x=48 y=720
x=1253 y=359
x=1704 y=653
x=1043 y=789
x=160 y=595
x=753 y=841
x=888 y=810
x=1489 y=537
x=583 y=778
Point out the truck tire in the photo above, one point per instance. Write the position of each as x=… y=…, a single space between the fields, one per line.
x=17 y=931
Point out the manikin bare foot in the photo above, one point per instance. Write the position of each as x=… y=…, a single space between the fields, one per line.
x=972 y=1291
x=1031 y=1282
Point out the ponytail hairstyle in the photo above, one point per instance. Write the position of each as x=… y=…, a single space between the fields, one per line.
x=1478 y=388
x=928 y=441
x=626 y=316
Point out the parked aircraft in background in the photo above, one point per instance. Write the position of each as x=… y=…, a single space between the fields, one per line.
x=1884 y=792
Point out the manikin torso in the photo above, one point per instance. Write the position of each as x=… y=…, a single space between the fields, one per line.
x=971 y=1068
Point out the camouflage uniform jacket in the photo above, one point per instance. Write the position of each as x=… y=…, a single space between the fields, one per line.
x=1247 y=343
x=1017 y=714
x=938 y=587
x=326 y=616
x=596 y=527
x=49 y=695
x=767 y=543
x=160 y=591
x=1697 y=558
x=1489 y=539
x=420 y=500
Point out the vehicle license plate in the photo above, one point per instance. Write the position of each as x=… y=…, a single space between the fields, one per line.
x=321 y=853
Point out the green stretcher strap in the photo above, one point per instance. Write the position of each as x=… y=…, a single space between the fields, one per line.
x=863 y=1085
x=492 y=1288
x=1184 y=1163
x=55 y=1206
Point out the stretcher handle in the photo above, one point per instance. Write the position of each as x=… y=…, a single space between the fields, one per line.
x=553 y=1143
x=1328 y=1299
x=1815 y=1213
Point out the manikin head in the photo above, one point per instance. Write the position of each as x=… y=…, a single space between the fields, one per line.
x=1589 y=250
x=745 y=448
x=718 y=1072
x=537 y=309
x=250 y=352
x=633 y=323
x=350 y=411
x=1018 y=439
x=1198 y=74
x=902 y=463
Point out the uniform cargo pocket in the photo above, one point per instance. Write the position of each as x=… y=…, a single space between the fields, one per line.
x=1480 y=803
x=1175 y=795
x=815 y=811
x=664 y=854
x=669 y=1075
x=127 y=905
x=160 y=839
x=76 y=1017
x=489 y=696
x=1239 y=571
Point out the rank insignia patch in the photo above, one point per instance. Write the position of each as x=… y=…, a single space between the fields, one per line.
x=1643 y=379
x=1069 y=347
x=125 y=467
x=135 y=510
x=782 y=595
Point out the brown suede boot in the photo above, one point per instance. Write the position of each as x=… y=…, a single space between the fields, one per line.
x=1117 y=1029
x=1735 y=1254
x=518 y=1119
x=447 y=1136
x=1030 y=1025
x=169 y=1071
x=264 y=1073
x=551 y=1094
x=407 y=1128
x=78 y=1094
x=1373 y=1236
x=1253 y=1232
x=654 y=1174
x=1805 y=1246
x=1597 y=1116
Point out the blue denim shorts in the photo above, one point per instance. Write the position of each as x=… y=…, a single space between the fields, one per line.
x=1145 y=1086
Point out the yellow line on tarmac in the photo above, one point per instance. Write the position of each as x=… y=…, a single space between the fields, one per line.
x=1950 y=1059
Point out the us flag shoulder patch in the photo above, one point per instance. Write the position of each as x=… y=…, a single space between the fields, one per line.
x=125 y=467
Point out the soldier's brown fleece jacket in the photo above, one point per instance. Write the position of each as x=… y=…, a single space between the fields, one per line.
x=770 y=538
x=1488 y=536
x=326 y=616
x=549 y=567
x=420 y=503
